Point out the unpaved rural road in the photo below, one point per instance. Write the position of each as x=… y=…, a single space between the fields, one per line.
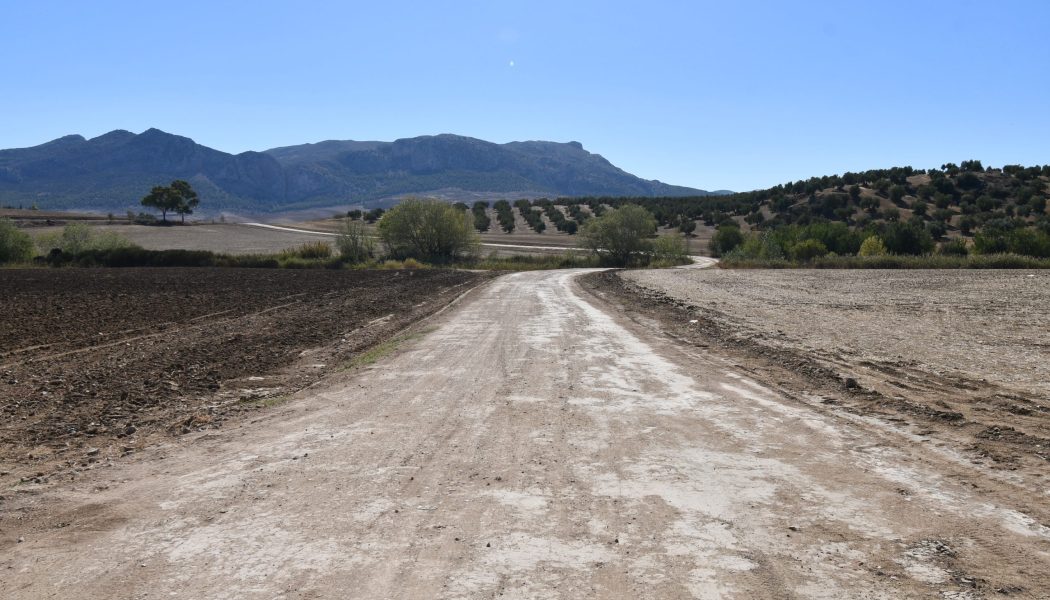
x=534 y=444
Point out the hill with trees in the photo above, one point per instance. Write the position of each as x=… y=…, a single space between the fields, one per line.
x=110 y=172
x=954 y=209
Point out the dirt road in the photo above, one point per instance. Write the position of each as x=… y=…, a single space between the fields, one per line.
x=532 y=444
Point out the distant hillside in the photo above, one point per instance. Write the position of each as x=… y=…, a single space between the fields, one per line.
x=951 y=200
x=954 y=201
x=113 y=171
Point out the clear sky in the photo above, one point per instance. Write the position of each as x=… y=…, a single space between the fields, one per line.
x=733 y=94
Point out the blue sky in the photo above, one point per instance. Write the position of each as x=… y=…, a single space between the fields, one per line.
x=736 y=95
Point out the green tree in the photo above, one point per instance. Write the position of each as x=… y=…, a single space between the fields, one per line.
x=620 y=236
x=187 y=198
x=906 y=238
x=891 y=214
x=15 y=244
x=179 y=197
x=374 y=215
x=162 y=199
x=897 y=194
x=428 y=230
x=726 y=238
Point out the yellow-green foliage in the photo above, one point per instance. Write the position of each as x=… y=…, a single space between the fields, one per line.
x=408 y=263
x=872 y=246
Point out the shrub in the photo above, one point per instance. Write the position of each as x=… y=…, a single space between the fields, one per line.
x=15 y=244
x=134 y=256
x=906 y=238
x=669 y=250
x=1029 y=242
x=726 y=238
x=807 y=250
x=76 y=238
x=354 y=243
x=428 y=230
x=872 y=246
x=956 y=247
x=621 y=235
x=994 y=239
x=308 y=251
x=930 y=261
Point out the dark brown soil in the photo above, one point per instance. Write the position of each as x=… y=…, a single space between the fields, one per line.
x=93 y=358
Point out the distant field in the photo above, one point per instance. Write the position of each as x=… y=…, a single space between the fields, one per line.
x=990 y=326
x=236 y=238
x=225 y=238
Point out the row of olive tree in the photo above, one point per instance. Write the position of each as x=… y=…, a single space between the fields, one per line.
x=437 y=232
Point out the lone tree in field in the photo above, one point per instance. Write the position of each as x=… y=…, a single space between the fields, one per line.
x=179 y=197
x=428 y=230
x=621 y=235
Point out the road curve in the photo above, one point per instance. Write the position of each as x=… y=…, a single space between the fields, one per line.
x=330 y=234
x=534 y=444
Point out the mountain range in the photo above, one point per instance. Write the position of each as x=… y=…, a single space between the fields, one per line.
x=113 y=171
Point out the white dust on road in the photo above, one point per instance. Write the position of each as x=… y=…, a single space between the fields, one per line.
x=534 y=445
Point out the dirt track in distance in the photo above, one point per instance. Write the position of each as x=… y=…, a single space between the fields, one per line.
x=532 y=442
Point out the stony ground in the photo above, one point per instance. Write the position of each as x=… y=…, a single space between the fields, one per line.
x=957 y=356
x=538 y=441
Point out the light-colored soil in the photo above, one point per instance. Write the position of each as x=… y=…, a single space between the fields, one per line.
x=956 y=359
x=973 y=325
x=533 y=444
x=226 y=238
